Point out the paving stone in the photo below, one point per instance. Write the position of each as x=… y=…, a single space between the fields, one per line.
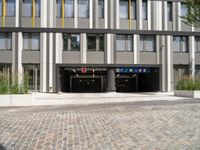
x=100 y=127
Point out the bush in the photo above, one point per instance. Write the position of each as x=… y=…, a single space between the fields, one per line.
x=188 y=83
x=8 y=86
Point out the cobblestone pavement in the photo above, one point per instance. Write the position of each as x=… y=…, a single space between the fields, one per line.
x=125 y=126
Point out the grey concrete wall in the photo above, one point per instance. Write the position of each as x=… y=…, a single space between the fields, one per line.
x=124 y=57
x=31 y=57
x=9 y=21
x=5 y=56
x=95 y=57
x=197 y=58
x=148 y=57
x=71 y=57
x=181 y=58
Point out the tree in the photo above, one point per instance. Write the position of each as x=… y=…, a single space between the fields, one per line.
x=193 y=15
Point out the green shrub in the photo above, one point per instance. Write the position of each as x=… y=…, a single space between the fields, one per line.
x=188 y=83
x=8 y=86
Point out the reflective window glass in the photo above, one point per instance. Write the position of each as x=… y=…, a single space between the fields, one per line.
x=123 y=9
x=83 y=8
x=10 y=10
x=27 y=8
x=69 y=8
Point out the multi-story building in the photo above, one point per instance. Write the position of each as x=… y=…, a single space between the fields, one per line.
x=97 y=45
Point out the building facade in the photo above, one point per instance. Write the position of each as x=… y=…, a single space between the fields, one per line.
x=98 y=45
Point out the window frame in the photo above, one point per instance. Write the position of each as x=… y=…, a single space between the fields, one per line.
x=1 y=8
x=69 y=42
x=12 y=15
x=5 y=41
x=146 y=10
x=88 y=10
x=144 y=43
x=97 y=42
x=181 y=50
x=126 y=41
x=169 y=11
x=36 y=16
x=197 y=44
x=30 y=37
x=100 y=16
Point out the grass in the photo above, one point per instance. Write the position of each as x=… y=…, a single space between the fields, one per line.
x=10 y=85
x=187 y=83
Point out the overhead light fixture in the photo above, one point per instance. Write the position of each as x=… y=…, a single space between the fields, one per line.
x=74 y=70
x=134 y=75
x=118 y=75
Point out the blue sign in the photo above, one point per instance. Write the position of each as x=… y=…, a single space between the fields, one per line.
x=133 y=70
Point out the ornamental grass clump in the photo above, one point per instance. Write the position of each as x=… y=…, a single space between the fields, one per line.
x=187 y=83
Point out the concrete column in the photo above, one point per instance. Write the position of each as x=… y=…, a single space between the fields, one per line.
x=91 y=13
x=135 y=48
x=83 y=48
x=139 y=15
x=111 y=80
x=96 y=14
x=75 y=13
x=117 y=15
x=17 y=13
x=17 y=45
x=169 y=65
x=163 y=64
x=158 y=49
x=111 y=13
x=59 y=47
x=51 y=63
x=192 y=55
x=149 y=7
x=158 y=15
x=179 y=20
x=109 y=48
x=165 y=21
x=174 y=16
x=43 y=62
x=106 y=13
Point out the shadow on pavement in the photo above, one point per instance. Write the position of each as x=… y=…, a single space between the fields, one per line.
x=2 y=147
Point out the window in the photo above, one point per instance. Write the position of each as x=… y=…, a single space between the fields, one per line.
x=184 y=9
x=1 y=8
x=32 y=74
x=59 y=8
x=31 y=41
x=69 y=8
x=95 y=42
x=37 y=8
x=101 y=8
x=10 y=10
x=123 y=9
x=28 y=8
x=71 y=42
x=180 y=44
x=134 y=9
x=147 y=43
x=144 y=9
x=83 y=8
x=197 y=44
x=124 y=43
x=169 y=11
x=5 y=41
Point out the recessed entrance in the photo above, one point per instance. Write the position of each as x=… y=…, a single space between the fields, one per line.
x=88 y=80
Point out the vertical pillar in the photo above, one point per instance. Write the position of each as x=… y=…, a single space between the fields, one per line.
x=109 y=48
x=149 y=7
x=165 y=19
x=158 y=15
x=43 y=49
x=17 y=14
x=83 y=48
x=139 y=15
x=51 y=63
x=179 y=20
x=58 y=47
x=174 y=16
x=163 y=63
x=106 y=13
x=192 y=56
x=91 y=13
x=17 y=69
x=111 y=80
x=117 y=13
x=75 y=13
x=96 y=14
x=169 y=65
x=111 y=12
x=135 y=48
